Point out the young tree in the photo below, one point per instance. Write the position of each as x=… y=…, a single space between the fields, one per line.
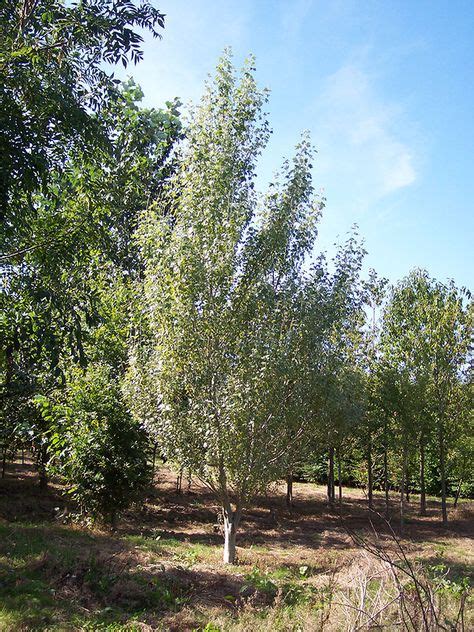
x=222 y=294
x=428 y=329
x=331 y=319
x=102 y=450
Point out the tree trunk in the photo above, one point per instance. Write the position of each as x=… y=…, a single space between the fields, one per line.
x=4 y=461
x=422 y=479
x=331 y=492
x=385 y=472
x=289 y=490
x=442 y=467
x=155 y=446
x=402 y=486
x=370 y=477
x=42 y=460
x=339 y=477
x=458 y=492
x=179 y=481
x=231 y=523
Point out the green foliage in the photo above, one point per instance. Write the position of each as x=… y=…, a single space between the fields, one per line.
x=52 y=56
x=102 y=451
x=80 y=160
x=261 y=581
x=221 y=290
x=442 y=583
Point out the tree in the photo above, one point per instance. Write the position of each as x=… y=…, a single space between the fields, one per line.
x=331 y=317
x=102 y=450
x=79 y=162
x=54 y=87
x=428 y=329
x=71 y=301
x=222 y=294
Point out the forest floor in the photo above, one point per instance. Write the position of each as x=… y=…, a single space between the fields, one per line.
x=161 y=569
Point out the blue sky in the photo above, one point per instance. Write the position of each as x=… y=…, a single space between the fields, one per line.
x=387 y=91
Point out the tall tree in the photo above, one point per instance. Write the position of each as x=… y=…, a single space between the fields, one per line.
x=428 y=329
x=222 y=292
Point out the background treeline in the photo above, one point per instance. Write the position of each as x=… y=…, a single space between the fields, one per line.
x=153 y=302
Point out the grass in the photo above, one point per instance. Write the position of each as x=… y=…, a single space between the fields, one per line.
x=162 y=571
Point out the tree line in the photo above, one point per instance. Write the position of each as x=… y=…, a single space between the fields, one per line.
x=153 y=299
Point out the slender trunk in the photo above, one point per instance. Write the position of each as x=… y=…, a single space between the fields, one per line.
x=8 y=378
x=331 y=494
x=458 y=492
x=370 y=477
x=339 y=477
x=42 y=460
x=289 y=490
x=231 y=523
x=402 y=486
x=442 y=467
x=155 y=447
x=422 y=479
x=385 y=472
x=43 y=479
x=179 y=481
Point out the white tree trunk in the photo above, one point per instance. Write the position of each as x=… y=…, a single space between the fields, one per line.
x=231 y=522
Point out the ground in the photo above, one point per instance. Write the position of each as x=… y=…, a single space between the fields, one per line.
x=161 y=569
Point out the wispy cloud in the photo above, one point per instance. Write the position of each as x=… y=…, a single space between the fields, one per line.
x=292 y=16
x=195 y=35
x=358 y=133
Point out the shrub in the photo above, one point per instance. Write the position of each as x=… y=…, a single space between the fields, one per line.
x=103 y=454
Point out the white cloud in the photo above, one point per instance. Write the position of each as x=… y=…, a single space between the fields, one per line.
x=359 y=137
x=293 y=16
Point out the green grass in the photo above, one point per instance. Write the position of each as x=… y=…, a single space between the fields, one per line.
x=56 y=578
x=180 y=551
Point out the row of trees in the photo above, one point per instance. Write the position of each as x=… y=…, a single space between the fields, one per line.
x=153 y=298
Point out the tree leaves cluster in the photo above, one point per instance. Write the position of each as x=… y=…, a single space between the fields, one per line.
x=150 y=294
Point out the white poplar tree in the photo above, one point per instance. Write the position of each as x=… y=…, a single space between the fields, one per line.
x=223 y=283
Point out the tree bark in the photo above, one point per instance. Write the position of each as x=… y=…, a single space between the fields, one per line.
x=331 y=492
x=385 y=472
x=339 y=477
x=179 y=481
x=370 y=477
x=442 y=467
x=458 y=493
x=422 y=479
x=289 y=490
x=42 y=460
x=402 y=485
x=231 y=523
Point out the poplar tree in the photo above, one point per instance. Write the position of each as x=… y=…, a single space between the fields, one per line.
x=222 y=290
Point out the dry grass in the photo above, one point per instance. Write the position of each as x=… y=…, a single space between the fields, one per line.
x=161 y=570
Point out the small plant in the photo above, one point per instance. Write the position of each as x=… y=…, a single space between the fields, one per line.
x=209 y=627
x=443 y=584
x=259 y=581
